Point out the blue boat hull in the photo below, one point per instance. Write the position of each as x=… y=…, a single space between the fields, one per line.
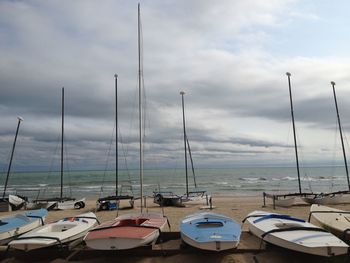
x=210 y=231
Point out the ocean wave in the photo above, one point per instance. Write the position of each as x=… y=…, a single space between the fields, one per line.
x=252 y=179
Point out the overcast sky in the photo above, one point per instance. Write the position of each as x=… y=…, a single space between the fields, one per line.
x=230 y=57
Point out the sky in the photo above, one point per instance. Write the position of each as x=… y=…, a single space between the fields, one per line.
x=230 y=57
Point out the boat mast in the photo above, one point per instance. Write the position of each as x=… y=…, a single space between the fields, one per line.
x=62 y=136
x=341 y=134
x=193 y=173
x=13 y=150
x=295 y=138
x=185 y=137
x=140 y=108
x=116 y=134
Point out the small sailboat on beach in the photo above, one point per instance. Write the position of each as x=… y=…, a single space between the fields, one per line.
x=210 y=231
x=294 y=234
x=130 y=230
x=57 y=233
x=164 y=198
x=288 y=199
x=333 y=197
x=113 y=201
x=13 y=201
x=61 y=202
x=12 y=226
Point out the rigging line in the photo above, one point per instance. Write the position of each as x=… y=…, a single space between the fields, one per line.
x=67 y=170
x=335 y=143
x=53 y=160
x=190 y=155
x=107 y=161
x=124 y=154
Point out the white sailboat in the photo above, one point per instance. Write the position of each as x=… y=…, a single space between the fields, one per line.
x=114 y=201
x=334 y=197
x=61 y=202
x=130 y=230
x=12 y=202
x=166 y=198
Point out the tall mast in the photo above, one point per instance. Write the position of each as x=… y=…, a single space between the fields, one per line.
x=62 y=136
x=295 y=137
x=185 y=138
x=116 y=134
x=140 y=108
x=341 y=134
x=13 y=150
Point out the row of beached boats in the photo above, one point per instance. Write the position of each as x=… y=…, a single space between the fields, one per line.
x=203 y=230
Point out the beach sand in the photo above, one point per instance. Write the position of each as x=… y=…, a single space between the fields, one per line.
x=235 y=207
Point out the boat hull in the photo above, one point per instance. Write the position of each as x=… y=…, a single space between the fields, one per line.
x=57 y=233
x=285 y=202
x=20 y=223
x=311 y=242
x=126 y=232
x=210 y=231
x=337 y=223
x=324 y=199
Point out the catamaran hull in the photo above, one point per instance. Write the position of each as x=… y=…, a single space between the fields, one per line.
x=324 y=200
x=66 y=205
x=16 y=202
x=285 y=202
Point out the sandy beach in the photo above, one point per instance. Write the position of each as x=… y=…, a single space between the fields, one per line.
x=235 y=207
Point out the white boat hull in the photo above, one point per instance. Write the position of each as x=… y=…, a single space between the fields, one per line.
x=324 y=199
x=285 y=202
x=16 y=201
x=337 y=222
x=310 y=242
x=57 y=233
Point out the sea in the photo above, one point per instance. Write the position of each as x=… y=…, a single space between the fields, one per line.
x=244 y=181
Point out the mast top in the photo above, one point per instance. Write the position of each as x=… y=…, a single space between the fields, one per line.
x=333 y=83
x=116 y=75
x=288 y=74
x=182 y=93
x=20 y=118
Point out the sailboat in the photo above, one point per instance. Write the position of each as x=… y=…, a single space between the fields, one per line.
x=334 y=197
x=130 y=230
x=13 y=202
x=288 y=199
x=61 y=202
x=167 y=198
x=113 y=201
x=190 y=196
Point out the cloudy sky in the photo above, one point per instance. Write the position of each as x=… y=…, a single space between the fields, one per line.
x=229 y=56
